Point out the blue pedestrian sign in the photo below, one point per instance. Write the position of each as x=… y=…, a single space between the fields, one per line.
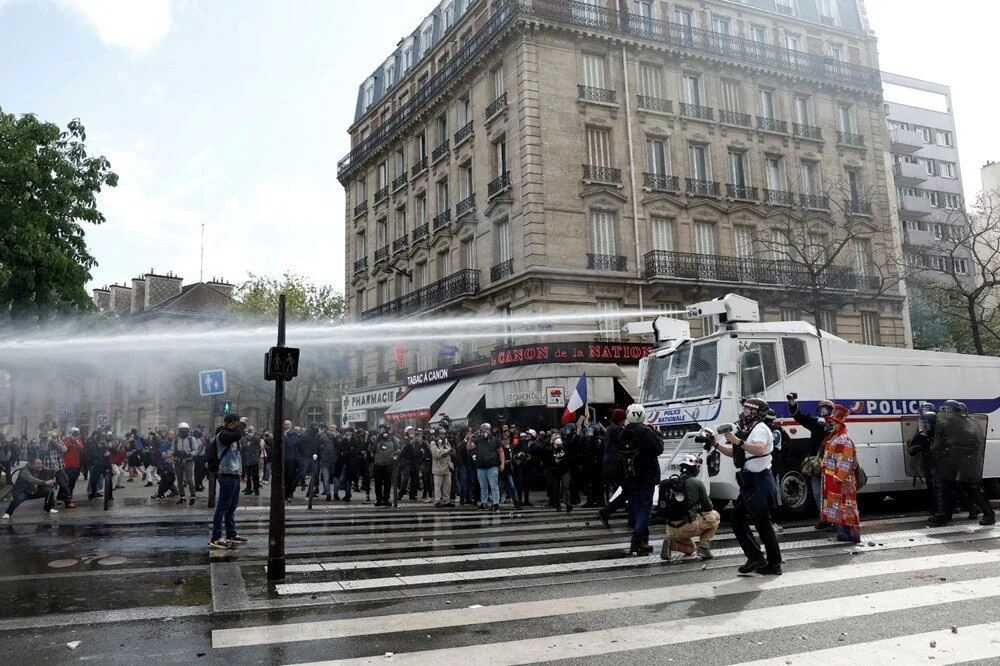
x=212 y=382
x=63 y=413
x=102 y=419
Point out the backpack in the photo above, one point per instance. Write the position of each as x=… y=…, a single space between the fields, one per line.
x=673 y=500
x=212 y=459
x=629 y=445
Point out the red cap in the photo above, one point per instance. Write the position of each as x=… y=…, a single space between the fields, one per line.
x=618 y=415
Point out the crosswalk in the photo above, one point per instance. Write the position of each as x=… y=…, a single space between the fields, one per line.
x=423 y=586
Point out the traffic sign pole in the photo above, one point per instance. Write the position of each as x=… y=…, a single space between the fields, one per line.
x=276 y=531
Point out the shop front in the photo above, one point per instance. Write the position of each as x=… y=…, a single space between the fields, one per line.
x=367 y=408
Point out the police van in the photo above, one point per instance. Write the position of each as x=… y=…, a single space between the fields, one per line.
x=687 y=385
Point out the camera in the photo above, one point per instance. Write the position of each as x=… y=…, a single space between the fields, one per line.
x=706 y=438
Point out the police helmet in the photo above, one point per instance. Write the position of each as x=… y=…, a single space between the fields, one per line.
x=769 y=417
x=951 y=407
x=929 y=418
x=635 y=413
x=963 y=409
x=927 y=408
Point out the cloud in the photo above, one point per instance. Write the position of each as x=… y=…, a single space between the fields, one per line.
x=134 y=25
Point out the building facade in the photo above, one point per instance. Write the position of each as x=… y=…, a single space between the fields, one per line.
x=543 y=156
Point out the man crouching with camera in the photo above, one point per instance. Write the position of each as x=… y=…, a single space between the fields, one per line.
x=684 y=499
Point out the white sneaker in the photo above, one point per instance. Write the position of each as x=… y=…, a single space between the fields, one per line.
x=51 y=511
x=6 y=516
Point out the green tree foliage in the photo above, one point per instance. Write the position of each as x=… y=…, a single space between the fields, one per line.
x=304 y=301
x=48 y=188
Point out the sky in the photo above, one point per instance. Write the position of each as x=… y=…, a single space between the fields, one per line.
x=232 y=114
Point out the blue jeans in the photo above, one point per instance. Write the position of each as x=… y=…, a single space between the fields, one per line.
x=641 y=497
x=817 y=487
x=225 y=507
x=507 y=478
x=305 y=466
x=465 y=476
x=488 y=485
x=325 y=473
x=44 y=492
x=345 y=480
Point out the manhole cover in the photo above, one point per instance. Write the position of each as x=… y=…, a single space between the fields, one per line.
x=111 y=561
x=59 y=564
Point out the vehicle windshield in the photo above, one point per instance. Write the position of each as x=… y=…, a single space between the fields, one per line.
x=687 y=373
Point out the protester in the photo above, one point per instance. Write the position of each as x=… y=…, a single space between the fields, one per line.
x=32 y=484
x=840 y=488
x=227 y=450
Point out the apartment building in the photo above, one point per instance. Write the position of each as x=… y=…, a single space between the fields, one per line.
x=542 y=156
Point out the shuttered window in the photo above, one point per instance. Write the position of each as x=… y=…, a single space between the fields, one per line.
x=663 y=234
x=781 y=245
x=598 y=147
x=593 y=71
x=704 y=238
x=608 y=322
x=499 y=84
x=656 y=157
x=870 y=334
x=650 y=81
x=861 y=252
x=502 y=230
x=602 y=229
x=743 y=242
x=731 y=96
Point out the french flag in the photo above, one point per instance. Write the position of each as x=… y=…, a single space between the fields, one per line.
x=577 y=400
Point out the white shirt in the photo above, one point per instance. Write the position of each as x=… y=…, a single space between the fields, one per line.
x=760 y=434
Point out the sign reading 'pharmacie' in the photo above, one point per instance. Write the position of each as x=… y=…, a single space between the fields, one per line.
x=570 y=352
x=371 y=399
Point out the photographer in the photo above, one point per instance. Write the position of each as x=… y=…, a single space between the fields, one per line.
x=758 y=494
x=183 y=449
x=689 y=512
x=638 y=451
x=385 y=456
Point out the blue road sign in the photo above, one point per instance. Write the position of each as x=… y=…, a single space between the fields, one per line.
x=63 y=413
x=102 y=419
x=212 y=382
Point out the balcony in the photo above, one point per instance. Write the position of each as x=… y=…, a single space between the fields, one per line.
x=696 y=111
x=442 y=220
x=381 y=377
x=457 y=285
x=909 y=175
x=807 y=132
x=778 y=198
x=660 y=182
x=401 y=374
x=400 y=244
x=600 y=95
x=496 y=106
x=419 y=167
x=361 y=382
x=655 y=104
x=702 y=188
x=859 y=207
x=734 y=118
x=398 y=182
x=439 y=152
x=814 y=201
x=498 y=185
x=502 y=270
x=741 y=192
x=463 y=133
x=360 y=265
x=602 y=174
x=606 y=262
x=772 y=125
x=382 y=254
x=905 y=142
x=382 y=194
x=466 y=206
x=421 y=232
x=736 y=270
x=850 y=139
x=912 y=207
x=361 y=208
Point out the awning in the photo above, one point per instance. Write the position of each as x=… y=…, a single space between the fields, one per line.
x=418 y=402
x=630 y=382
x=528 y=386
x=462 y=400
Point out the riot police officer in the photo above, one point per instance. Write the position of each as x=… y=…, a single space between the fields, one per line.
x=958 y=464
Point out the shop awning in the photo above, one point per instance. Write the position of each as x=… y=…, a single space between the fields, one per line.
x=529 y=386
x=418 y=403
x=630 y=382
x=462 y=400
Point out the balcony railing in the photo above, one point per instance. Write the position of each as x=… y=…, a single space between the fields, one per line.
x=606 y=262
x=807 y=131
x=361 y=381
x=850 y=139
x=442 y=220
x=859 y=207
x=419 y=167
x=360 y=264
x=463 y=283
x=737 y=270
x=602 y=174
x=401 y=374
x=400 y=244
x=778 y=198
x=502 y=270
x=814 y=201
x=496 y=106
x=660 y=182
x=441 y=150
x=655 y=104
x=361 y=208
x=596 y=94
x=696 y=111
x=398 y=182
x=382 y=377
x=499 y=184
x=463 y=133
x=741 y=192
x=734 y=118
x=382 y=254
x=466 y=206
x=702 y=188
x=576 y=13
x=772 y=125
x=421 y=232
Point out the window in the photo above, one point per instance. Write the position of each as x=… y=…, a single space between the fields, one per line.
x=500 y=155
x=929 y=166
x=465 y=186
x=828 y=321
x=794 y=352
x=608 y=323
x=731 y=96
x=400 y=285
x=835 y=52
x=443 y=264
x=828 y=10
x=400 y=161
x=743 y=242
x=699 y=162
x=704 y=238
x=501 y=246
x=720 y=25
x=381 y=233
x=383 y=175
x=360 y=191
x=854 y=184
x=870 y=329
x=443 y=202
x=793 y=43
x=419 y=210
x=802 y=115
x=926 y=133
x=788 y=314
x=662 y=232
x=759 y=368
x=845 y=122
x=586 y=10
x=426 y=37
x=671 y=309
x=932 y=197
x=781 y=247
x=499 y=83
x=469 y=253
x=400 y=222
x=389 y=73
x=738 y=168
x=767 y=104
x=464 y=115
x=598 y=147
x=683 y=17
x=362 y=306
x=943 y=138
x=369 y=93
x=961 y=266
x=947 y=169
x=407 y=55
x=775 y=173
x=449 y=16
x=383 y=292
x=422 y=275
x=691 y=89
x=643 y=9
x=442 y=128
x=360 y=246
x=602 y=228
x=811 y=181
x=817 y=249
x=650 y=81
x=593 y=71
x=861 y=254
x=758 y=34
x=656 y=157
x=952 y=201
x=421 y=144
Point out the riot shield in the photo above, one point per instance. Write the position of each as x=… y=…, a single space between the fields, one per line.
x=912 y=465
x=959 y=446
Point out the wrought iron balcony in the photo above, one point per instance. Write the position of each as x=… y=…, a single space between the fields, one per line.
x=399 y=182
x=741 y=192
x=361 y=381
x=787 y=10
x=596 y=94
x=807 y=131
x=400 y=374
x=498 y=185
x=696 y=111
x=382 y=377
x=360 y=264
x=457 y=285
x=400 y=244
x=602 y=174
x=466 y=206
x=606 y=262
x=382 y=194
x=737 y=270
x=655 y=104
x=502 y=270
x=859 y=207
x=814 y=201
x=827 y=20
x=361 y=208
x=420 y=233
x=702 y=188
x=441 y=150
x=772 y=125
x=661 y=182
x=496 y=106
x=463 y=133
x=381 y=254
x=442 y=220
x=850 y=139
x=419 y=167
x=778 y=198
x=734 y=118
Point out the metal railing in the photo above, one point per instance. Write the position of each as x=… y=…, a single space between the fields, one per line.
x=400 y=374
x=778 y=197
x=382 y=377
x=361 y=381
x=361 y=208
x=657 y=181
x=606 y=262
x=463 y=132
x=734 y=118
x=772 y=125
x=815 y=201
x=696 y=111
x=596 y=94
x=496 y=106
x=457 y=285
x=399 y=181
x=499 y=184
x=400 y=244
x=382 y=254
x=382 y=194
x=702 y=188
x=807 y=131
x=850 y=139
x=602 y=174
x=741 y=192
x=655 y=104
x=421 y=232
x=360 y=264
x=442 y=220
x=466 y=206
x=859 y=207
x=502 y=270
x=419 y=167
x=443 y=148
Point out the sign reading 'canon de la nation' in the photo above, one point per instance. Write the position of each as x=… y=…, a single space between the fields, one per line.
x=571 y=352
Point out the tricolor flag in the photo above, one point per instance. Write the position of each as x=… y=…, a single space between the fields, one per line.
x=577 y=400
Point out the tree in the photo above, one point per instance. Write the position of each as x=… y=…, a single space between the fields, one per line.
x=48 y=187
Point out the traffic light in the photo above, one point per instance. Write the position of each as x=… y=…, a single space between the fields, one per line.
x=223 y=407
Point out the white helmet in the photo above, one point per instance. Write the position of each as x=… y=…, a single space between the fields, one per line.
x=635 y=413
x=183 y=426
x=486 y=426
x=74 y=431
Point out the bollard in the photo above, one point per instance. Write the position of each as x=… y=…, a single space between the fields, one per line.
x=312 y=481
x=395 y=486
x=107 y=487
x=211 y=490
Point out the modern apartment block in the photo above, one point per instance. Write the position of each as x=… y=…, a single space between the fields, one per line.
x=540 y=156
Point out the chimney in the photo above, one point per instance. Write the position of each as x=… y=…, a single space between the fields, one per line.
x=138 y=295
x=121 y=298
x=221 y=285
x=102 y=298
x=160 y=287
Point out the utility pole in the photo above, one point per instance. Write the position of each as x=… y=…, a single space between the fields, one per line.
x=201 y=268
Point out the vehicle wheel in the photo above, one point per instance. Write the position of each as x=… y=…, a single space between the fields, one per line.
x=992 y=488
x=796 y=497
